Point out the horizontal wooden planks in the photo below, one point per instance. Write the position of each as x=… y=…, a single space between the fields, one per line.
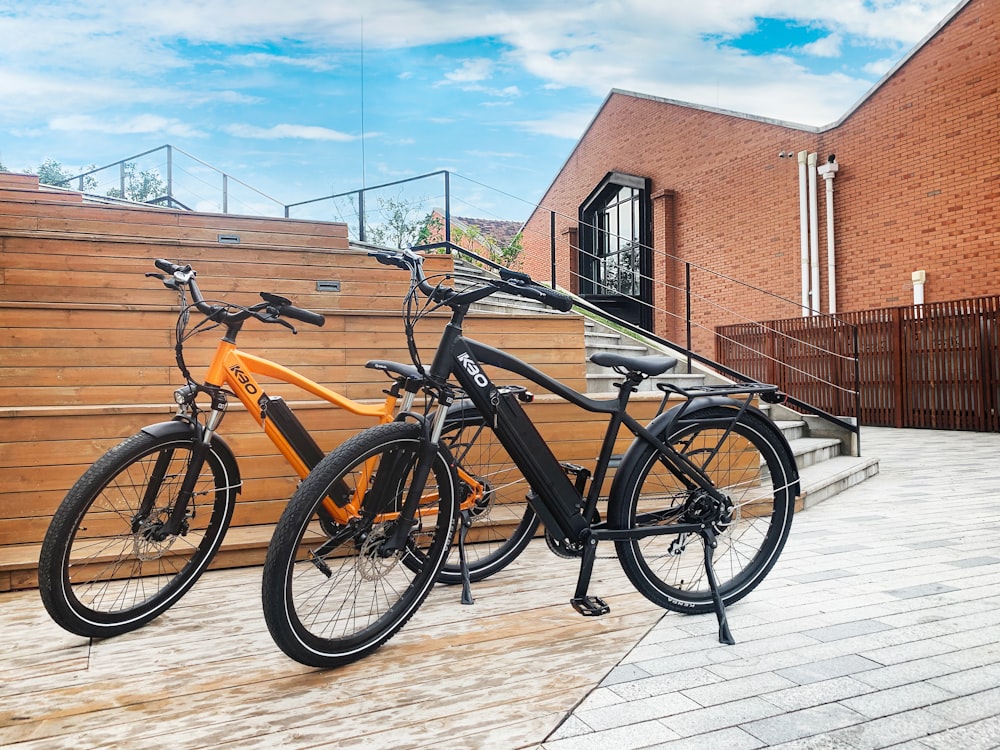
x=51 y=357
x=86 y=350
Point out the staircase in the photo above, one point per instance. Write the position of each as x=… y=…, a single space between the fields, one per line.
x=824 y=458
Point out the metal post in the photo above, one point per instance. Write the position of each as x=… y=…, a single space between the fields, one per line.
x=121 y=178
x=225 y=193
x=552 y=241
x=447 y=210
x=687 y=314
x=857 y=390
x=361 y=215
x=170 y=175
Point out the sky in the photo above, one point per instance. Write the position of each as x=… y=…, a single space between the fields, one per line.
x=309 y=98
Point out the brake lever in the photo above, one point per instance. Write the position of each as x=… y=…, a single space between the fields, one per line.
x=273 y=317
x=168 y=281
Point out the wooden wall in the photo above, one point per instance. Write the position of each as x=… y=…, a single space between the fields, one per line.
x=86 y=347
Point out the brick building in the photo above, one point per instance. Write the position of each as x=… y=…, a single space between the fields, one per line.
x=655 y=184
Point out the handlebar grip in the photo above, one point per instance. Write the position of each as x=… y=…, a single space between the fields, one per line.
x=168 y=267
x=390 y=259
x=555 y=300
x=305 y=316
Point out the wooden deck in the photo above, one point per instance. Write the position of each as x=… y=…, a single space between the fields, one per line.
x=503 y=673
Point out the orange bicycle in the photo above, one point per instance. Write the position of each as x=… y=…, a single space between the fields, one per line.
x=143 y=523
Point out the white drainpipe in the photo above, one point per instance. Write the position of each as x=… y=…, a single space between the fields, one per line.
x=804 y=230
x=813 y=234
x=829 y=171
x=919 y=278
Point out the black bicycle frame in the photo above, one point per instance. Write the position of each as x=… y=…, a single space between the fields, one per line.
x=561 y=506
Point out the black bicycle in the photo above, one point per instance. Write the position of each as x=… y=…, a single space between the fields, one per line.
x=699 y=507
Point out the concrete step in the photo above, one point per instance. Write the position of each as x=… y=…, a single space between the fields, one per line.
x=823 y=480
x=810 y=451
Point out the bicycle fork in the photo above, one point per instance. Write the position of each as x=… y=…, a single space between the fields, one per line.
x=199 y=449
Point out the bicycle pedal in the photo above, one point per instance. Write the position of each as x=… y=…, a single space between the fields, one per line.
x=590 y=606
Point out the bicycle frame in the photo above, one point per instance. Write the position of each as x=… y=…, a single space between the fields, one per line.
x=561 y=507
x=237 y=370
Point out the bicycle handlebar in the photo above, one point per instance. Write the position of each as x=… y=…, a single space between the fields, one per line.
x=271 y=310
x=512 y=282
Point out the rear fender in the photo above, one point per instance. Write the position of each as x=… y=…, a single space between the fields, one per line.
x=689 y=412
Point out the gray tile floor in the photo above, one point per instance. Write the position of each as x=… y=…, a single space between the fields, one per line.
x=879 y=627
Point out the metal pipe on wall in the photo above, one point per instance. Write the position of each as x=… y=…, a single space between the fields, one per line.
x=813 y=235
x=829 y=171
x=804 y=230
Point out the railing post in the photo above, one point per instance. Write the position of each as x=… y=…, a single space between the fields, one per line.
x=225 y=193
x=687 y=309
x=552 y=245
x=361 y=215
x=447 y=211
x=170 y=174
x=121 y=178
x=857 y=389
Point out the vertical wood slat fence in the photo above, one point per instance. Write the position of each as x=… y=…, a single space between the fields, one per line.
x=933 y=366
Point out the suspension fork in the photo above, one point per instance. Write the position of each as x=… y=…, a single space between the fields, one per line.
x=153 y=486
x=199 y=450
x=429 y=446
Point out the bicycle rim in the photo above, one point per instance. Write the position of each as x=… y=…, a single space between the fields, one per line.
x=331 y=592
x=743 y=464
x=102 y=572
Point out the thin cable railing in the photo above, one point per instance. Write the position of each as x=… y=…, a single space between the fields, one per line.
x=171 y=177
x=814 y=358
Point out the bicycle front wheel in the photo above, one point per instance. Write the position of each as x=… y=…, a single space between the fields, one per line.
x=334 y=593
x=502 y=521
x=748 y=463
x=103 y=570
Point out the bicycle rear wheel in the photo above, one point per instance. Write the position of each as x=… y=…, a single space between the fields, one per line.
x=101 y=571
x=331 y=592
x=749 y=463
x=503 y=523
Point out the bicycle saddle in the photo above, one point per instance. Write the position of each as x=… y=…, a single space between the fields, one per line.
x=653 y=365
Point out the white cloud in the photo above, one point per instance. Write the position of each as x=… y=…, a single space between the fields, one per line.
x=569 y=125
x=285 y=130
x=828 y=46
x=264 y=60
x=140 y=124
x=471 y=71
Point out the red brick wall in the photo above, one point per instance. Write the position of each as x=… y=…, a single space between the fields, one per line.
x=918 y=189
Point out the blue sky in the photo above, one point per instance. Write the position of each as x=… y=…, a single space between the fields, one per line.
x=303 y=99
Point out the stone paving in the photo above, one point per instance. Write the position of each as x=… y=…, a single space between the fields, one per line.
x=879 y=627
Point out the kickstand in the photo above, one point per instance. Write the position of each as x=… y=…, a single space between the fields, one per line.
x=588 y=606
x=725 y=636
x=465 y=522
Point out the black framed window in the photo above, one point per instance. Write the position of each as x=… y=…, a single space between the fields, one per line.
x=615 y=259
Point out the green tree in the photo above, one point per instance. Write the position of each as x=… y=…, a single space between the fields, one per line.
x=139 y=186
x=399 y=226
x=51 y=172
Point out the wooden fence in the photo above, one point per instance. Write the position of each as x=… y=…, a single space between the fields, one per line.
x=929 y=366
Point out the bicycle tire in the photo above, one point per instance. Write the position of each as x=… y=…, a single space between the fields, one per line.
x=753 y=469
x=332 y=598
x=99 y=573
x=503 y=523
